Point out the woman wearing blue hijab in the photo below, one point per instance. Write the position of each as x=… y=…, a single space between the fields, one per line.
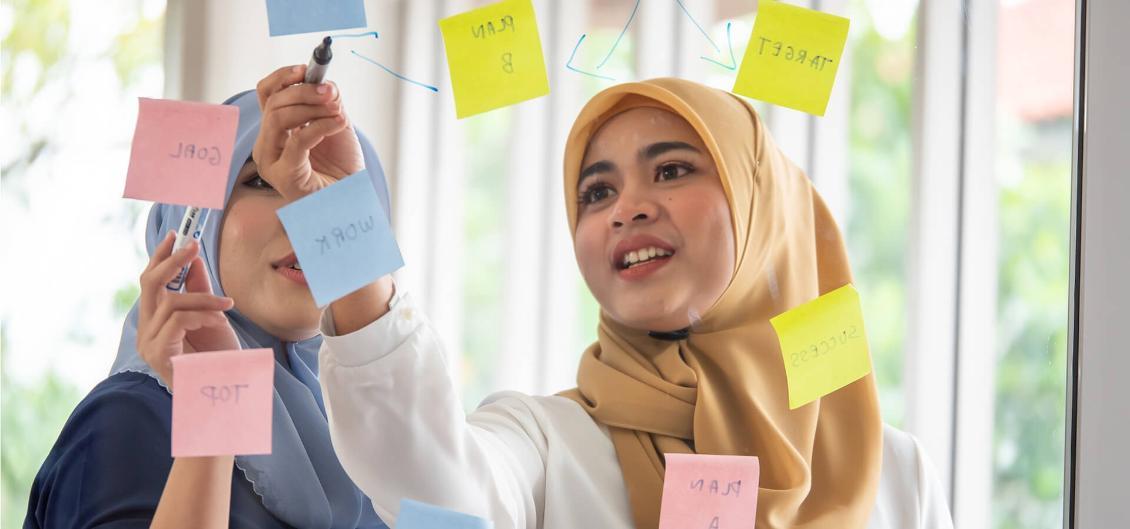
x=111 y=465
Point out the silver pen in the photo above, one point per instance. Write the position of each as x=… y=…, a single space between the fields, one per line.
x=319 y=62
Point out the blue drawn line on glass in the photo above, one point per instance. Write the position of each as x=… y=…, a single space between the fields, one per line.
x=569 y=63
x=622 y=32
x=355 y=35
x=733 y=62
x=394 y=74
x=699 y=26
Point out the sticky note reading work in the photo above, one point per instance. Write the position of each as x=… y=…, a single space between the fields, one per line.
x=288 y=17
x=709 y=492
x=494 y=56
x=823 y=344
x=420 y=515
x=181 y=152
x=341 y=237
x=222 y=403
x=792 y=56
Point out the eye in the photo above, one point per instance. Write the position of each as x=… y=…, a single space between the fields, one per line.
x=595 y=193
x=257 y=182
x=671 y=171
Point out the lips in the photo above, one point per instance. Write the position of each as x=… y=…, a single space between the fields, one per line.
x=640 y=249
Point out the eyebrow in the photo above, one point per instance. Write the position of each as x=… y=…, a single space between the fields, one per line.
x=646 y=153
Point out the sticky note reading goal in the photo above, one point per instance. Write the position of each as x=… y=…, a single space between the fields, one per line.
x=494 y=56
x=823 y=345
x=792 y=57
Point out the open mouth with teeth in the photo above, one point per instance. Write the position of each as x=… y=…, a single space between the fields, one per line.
x=642 y=256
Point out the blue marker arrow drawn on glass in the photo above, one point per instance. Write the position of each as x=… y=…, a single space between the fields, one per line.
x=733 y=63
x=394 y=74
x=570 y=66
x=607 y=56
x=355 y=35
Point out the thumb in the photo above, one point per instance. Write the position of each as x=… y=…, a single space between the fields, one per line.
x=198 y=280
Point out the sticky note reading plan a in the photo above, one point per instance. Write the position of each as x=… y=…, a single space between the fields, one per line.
x=222 y=403
x=823 y=344
x=341 y=237
x=288 y=17
x=181 y=152
x=709 y=492
x=420 y=515
x=792 y=56
x=494 y=56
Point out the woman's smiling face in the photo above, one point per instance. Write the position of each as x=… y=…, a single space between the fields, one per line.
x=654 y=239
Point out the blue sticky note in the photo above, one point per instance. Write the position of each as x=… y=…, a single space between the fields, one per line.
x=419 y=515
x=341 y=237
x=287 y=17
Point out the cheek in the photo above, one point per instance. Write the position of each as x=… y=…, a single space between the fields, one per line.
x=589 y=247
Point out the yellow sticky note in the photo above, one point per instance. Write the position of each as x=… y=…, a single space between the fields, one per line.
x=494 y=56
x=823 y=344
x=792 y=56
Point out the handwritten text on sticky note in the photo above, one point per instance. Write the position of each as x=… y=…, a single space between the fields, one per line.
x=222 y=403
x=288 y=17
x=494 y=56
x=709 y=492
x=181 y=152
x=823 y=344
x=341 y=237
x=792 y=56
x=420 y=515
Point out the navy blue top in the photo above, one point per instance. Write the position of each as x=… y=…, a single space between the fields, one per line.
x=109 y=466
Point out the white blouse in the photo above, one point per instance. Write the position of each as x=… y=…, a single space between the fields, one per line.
x=520 y=461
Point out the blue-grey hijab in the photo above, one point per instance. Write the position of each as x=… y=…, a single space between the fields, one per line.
x=301 y=482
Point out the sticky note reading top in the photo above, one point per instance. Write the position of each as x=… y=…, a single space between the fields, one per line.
x=709 y=491
x=420 y=515
x=823 y=344
x=792 y=56
x=341 y=237
x=288 y=17
x=494 y=56
x=222 y=403
x=181 y=152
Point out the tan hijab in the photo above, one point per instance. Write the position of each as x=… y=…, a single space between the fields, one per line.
x=722 y=390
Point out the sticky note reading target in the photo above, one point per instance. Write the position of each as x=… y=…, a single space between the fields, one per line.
x=494 y=56
x=792 y=57
x=222 y=403
x=823 y=344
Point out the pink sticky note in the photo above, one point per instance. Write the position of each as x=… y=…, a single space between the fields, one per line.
x=709 y=492
x=222 y=403
x=181 y=152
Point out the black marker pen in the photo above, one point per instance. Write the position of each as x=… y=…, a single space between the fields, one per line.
x=319 y=62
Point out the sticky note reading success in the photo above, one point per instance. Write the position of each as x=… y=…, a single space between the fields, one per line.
x=181 y=152
x=420 y=515
x=222 y=403
x=494 y=56
x=341 y=237
x=709 y=491
x=792 y=56
x=287 y=17
x=823 y=344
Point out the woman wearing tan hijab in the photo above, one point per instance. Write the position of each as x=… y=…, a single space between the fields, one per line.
x=692 y=230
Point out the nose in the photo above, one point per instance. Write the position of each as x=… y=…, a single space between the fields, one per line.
x=634 y=207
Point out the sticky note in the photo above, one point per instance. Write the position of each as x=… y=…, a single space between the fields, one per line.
x=709 y=492
x=792 y=56
x=341 y=237
x=823 y=344
x=287 y=17
x=181 y=152
x=222 y=403
x=420 y=515
x=494 y=56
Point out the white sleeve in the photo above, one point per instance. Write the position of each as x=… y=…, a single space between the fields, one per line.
x=400 y=432
x=932 y=504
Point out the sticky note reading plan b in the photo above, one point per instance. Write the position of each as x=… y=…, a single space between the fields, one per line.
x=341 y=237
x=709 y=491
x=823 y=344
x=181 y=152
x=288 y=17
x=494 y=56
x=222 y=403
x=792 y=56
x=420 y=515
